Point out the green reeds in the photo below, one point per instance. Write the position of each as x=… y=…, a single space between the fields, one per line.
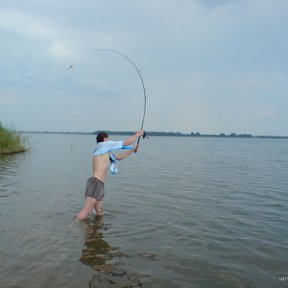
x=11 y=141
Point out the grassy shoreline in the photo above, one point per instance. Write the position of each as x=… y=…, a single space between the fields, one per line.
x=11 y=142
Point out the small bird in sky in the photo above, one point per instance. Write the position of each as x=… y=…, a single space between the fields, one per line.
x=70 y=67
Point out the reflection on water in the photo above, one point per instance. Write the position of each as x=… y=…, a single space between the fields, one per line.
x=106 y=260
x=9 y=166
x=97 y=254
x=6 y=163
x=112 y=266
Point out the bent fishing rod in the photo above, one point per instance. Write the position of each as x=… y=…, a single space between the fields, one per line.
x=142 y=84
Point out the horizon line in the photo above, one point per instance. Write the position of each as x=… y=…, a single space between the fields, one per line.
x=158 y=133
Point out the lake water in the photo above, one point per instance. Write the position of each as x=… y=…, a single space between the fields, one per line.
x=183 y=212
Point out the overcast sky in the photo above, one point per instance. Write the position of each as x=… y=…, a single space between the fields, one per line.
x=209 y=66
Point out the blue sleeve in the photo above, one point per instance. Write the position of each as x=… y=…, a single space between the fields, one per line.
x=108 y=146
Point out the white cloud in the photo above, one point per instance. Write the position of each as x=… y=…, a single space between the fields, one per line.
x=22 y=23
x=38 y=28
x=62 y=50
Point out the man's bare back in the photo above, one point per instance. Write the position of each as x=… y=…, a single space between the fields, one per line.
x=100 y=165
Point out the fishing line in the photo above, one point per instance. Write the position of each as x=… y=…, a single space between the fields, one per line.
x=142 y=84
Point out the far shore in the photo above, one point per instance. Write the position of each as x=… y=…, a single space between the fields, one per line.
x=155 y=133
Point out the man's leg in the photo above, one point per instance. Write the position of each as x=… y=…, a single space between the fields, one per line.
x=89 y=205
x=99 y=207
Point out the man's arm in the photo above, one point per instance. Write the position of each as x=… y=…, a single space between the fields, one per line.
x=125 y=154
x=133 y=138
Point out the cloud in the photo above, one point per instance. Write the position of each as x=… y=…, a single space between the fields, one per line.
x=40 y=31
x=62 y=51
x=19 y=22
x=7 y=97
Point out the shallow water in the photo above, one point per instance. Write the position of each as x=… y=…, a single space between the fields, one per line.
x=183 y=212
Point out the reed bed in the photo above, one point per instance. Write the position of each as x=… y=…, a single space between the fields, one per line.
x=11 y=141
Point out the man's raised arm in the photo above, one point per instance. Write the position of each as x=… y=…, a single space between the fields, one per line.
x=133 y=138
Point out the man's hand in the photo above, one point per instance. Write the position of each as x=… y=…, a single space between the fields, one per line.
x=140 y=133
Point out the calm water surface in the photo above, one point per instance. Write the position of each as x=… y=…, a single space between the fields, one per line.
x=183 y=212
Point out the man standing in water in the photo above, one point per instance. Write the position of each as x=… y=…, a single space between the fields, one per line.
x=102 y=157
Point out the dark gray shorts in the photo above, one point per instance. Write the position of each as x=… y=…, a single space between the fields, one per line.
x=95 y=189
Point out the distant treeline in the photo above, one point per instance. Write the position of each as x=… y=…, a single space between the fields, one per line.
x=155 y=133
x=192 y=134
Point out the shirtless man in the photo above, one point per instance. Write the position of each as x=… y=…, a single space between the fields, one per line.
x=102 y=157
